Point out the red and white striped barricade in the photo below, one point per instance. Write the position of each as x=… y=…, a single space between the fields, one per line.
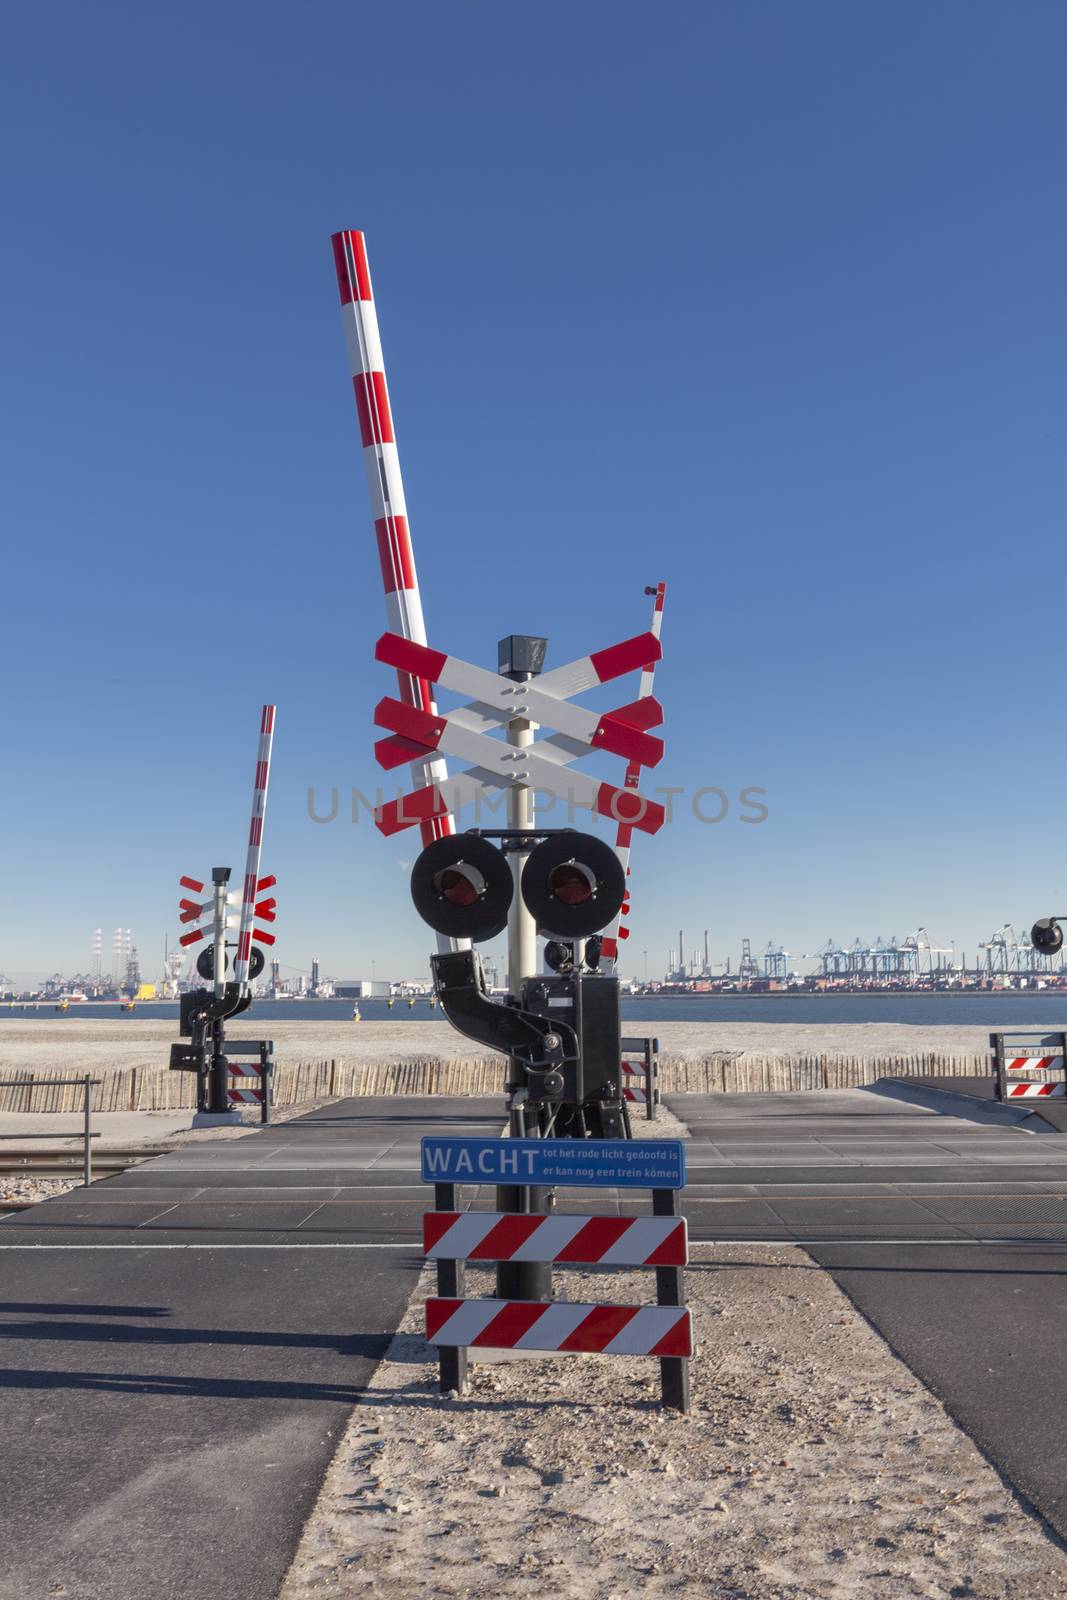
x=1034 y=1054
x=646 y=1067
x=452 y=1237
x=245 y=1085
x=496 y=700
x=242 y=1091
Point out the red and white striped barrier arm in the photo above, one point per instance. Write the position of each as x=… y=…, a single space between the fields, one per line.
x=403 y=603
x=560 y=1325
x=508 y=1236
x=1034 y=1064
x=617 y=930
x=255 y=847
x=1043 y=1091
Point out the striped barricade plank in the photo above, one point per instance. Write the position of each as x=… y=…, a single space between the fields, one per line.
x=1034 y=1064
x=637 y=1097
x=586 y=1241
x=1044 y=1091
x=560 y=1325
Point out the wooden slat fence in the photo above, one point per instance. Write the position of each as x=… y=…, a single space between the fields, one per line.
x=158 y=1089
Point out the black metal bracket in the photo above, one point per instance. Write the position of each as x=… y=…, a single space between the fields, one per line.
x=541 y=1044
x=516 y=840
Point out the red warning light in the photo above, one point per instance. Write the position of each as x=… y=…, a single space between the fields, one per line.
x=459 y=886
x=570 y=884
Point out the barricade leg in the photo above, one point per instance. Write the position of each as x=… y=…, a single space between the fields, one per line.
x=266 y=1079
x=522 y=1280
x=650 y=1083
x=452 y=1359
x=219 y=1077
x=87 y=1158
x=670 y=1291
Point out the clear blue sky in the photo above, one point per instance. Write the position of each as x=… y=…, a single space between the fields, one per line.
x=763 y=300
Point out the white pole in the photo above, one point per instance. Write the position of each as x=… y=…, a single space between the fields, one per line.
x=522 y=929
x=220 y=877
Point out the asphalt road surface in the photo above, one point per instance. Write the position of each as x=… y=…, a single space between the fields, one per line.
x=973 y=1297
x=183 y=1343
x=168 y=1414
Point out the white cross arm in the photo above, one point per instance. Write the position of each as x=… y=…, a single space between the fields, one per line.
x=504 y=763
x=505 y=699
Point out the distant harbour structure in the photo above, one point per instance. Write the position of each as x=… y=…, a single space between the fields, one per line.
x=1006 y=959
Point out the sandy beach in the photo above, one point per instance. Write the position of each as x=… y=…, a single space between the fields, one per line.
x=99 y=1045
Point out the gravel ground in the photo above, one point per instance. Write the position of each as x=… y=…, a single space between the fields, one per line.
x=93 y=1044
x=814 y=1466
x=36 y=1189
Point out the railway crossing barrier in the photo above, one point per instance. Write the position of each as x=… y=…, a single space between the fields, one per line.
x=1029 y=1053
x=647 y=1068
x=567 y=1073
x=452 y=1237
x=209 y=917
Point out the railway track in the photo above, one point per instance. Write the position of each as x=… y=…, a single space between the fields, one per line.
x=66 y=1164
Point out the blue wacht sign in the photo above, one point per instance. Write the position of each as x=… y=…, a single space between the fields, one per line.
x=569 y=1163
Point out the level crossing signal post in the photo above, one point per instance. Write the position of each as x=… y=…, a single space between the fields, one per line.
x=560 y=1028
x=520 y=657
x=228 y=966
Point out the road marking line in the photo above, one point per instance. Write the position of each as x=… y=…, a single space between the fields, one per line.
x=412 y=1244
x=1029 y=1241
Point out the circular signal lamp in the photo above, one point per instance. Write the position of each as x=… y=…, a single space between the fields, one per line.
x=205 y=962
x=462 y=887
x=573 y=885
x=1046 y=936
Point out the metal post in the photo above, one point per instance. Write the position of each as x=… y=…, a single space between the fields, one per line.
x=521 y=1280
x=670 y=1291
x=452 y=1359
x=87 y=1159
x=997 y=1042
x=266 y=1077
x=522 y=930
